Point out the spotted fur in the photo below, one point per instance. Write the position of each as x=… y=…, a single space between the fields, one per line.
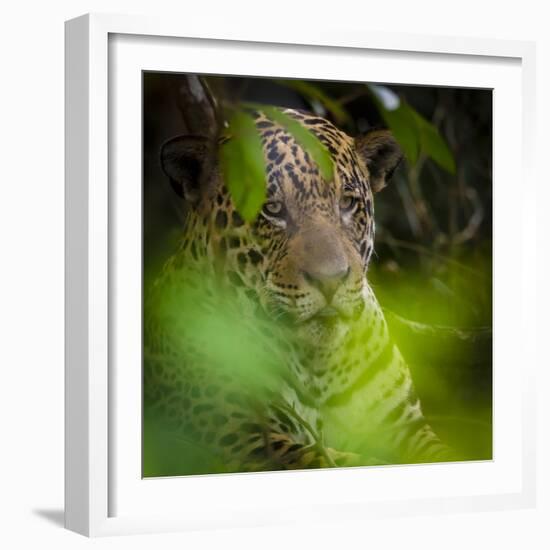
x=343 y=393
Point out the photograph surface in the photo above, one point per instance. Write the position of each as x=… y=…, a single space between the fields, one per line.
x=317 y=274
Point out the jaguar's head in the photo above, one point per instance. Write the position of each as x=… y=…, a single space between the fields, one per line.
x=306 y=255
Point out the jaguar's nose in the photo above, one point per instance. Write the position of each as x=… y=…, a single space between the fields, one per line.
x=327 y=282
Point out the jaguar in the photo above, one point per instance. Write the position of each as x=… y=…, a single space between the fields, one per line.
x=325 y=385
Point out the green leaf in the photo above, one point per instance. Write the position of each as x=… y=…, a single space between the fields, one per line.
x=313 y=92
x=243 y=166
x=433 y=144
x=305 y=138
x=404 y=128
x=414 y=133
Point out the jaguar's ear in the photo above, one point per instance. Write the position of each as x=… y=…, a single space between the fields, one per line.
x=187 y=161
x=381 y=153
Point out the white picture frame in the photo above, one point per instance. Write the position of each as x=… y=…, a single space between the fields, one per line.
x=104 y=492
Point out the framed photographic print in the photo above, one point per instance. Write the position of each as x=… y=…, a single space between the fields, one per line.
x=288 y=275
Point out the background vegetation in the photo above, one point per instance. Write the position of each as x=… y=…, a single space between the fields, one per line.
x=432 y=270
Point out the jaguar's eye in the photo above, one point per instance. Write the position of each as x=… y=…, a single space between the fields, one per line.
x=274 y=209
x=347 y=203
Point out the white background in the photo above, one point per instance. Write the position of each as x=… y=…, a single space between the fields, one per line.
x=31 y=271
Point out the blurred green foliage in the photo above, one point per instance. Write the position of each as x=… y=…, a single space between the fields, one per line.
x=204 y=328
x=202 y=319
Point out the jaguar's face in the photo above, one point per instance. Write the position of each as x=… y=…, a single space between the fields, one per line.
x=305 y=257
x=319 y=237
